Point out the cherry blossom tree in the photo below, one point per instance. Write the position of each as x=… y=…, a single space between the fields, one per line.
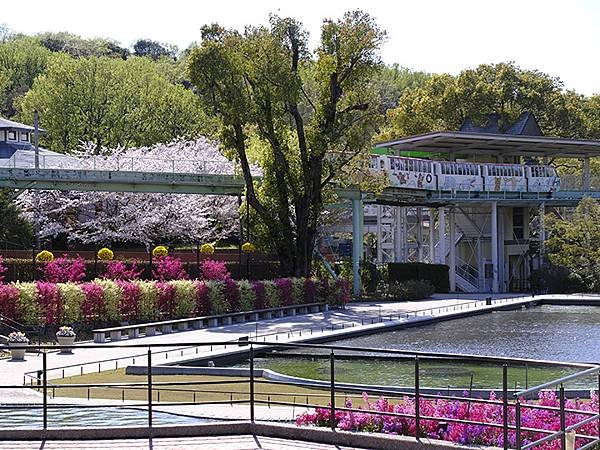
x=144 y=218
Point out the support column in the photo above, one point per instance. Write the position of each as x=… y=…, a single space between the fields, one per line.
x=357 y=238
x=502 y=287
x=452 y=262
x=419 y=234
x=442 y=235
x=494 y=239
x=586 y=174
x=480 y=266
x=379 y=209
x=432 y=235
x=542 y=234
x=398 y=234
x=404 y=220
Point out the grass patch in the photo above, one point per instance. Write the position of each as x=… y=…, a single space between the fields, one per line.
x=224 y=389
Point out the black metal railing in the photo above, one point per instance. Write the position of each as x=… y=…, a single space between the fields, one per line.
x=511 y=402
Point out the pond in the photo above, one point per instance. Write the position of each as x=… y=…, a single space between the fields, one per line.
x=559 y=333
x=88 y=417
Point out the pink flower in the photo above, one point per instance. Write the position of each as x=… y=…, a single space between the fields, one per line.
x=63 y=270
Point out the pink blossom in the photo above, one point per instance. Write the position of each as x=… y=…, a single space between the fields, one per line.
x=64 y=269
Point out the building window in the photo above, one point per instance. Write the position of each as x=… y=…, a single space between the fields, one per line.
x=12 y=135
x=24 y=136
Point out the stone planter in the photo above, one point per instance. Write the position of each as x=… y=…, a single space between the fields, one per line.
x=65 y=340
x=17 y=354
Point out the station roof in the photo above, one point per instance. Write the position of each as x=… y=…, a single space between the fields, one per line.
x=473 y=143
x=6 y=124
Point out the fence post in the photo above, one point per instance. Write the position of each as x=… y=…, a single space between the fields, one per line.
x=599 y=404
x=518 y=424
x=563 y=423
x=150 y=392
x=332 y=389
x=45 y=388
x=417 y=400
x=505 y=405
x=252 y=383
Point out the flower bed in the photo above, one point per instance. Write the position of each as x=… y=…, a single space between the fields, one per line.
x=105 y=301
x=469 y=434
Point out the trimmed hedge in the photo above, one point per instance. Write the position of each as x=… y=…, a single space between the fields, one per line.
x=437 y=274
x=106 y=301
x=23 y=270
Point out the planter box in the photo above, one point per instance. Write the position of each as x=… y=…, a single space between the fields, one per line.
x=66 y=340
x=17 y=354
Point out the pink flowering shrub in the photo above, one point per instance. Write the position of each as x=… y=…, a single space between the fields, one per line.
x=368 y=419
x=166 y=299
x=3 y=269
x=118 y=270
x=49 y=298
x=214 y=270
x=310 y=290
x=202 y=306
x=232 y=294
x=259 y=293
x=64 y=270
x=93 y=307
x=169 y=268
x=284 y=286
x=9 y=300
x=130 y=300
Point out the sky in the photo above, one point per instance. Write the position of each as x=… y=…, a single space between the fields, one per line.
x=559 y=37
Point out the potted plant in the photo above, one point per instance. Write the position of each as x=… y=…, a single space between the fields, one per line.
x=15 y=339
x=65 y=336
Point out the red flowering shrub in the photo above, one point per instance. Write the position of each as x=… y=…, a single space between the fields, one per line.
x=48 y=296
x=118 y=270
x=232 y=294
x=64 y=270
x=259 y=291
x=214 y=270
x=93 y=307
x=3 y=269
x=310 y=290
x=9 y=299
x=202 y=307
x=169 y=268
x=284 y=288
x=166 y=299
x=130 y=300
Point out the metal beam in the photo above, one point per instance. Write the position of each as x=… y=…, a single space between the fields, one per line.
x=494 y=220
x=120 y=181
x=452 y=262
x=357 y=237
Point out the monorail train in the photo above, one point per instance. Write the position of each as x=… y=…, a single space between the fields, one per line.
x=414 y=173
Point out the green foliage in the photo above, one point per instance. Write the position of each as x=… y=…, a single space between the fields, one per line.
x=78 y=47
x=575 y=243
x=112 y=299
x=297 y=291
x=72 y=297
x=555 y=280
x=247 y=295
x=153 y=49
x=272 y=299
x=437 y=274
x=21 y=61
x=148 y=300
x=111 y=103
x=303 y=118
x=411 y=290
x=216 y=297
x=14 y=228
x=444 y=101
x=29 y=308
x=185 y=297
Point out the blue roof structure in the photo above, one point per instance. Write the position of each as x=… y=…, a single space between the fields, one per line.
x=525 y=125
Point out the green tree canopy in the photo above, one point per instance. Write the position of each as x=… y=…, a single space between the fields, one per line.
x=21 y=61
x=79 y=47
x=444 y=101
x=312 y=113
x=111 y=102
x=575 y=242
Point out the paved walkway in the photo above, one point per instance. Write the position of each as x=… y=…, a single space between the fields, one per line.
x=243 y=442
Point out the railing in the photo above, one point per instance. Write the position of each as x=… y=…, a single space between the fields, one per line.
x=252 y=396
x=125 y=164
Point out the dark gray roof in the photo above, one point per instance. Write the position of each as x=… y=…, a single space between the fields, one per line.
x=6 y=124
x=525 y=125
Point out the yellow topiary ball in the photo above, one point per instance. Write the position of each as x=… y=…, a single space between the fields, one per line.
x=105 y=254
x=160 y=250
x=248 y=247
x=44 y=256
x=207 y=249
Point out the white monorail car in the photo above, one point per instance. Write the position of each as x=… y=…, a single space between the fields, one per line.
x=414 y=173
